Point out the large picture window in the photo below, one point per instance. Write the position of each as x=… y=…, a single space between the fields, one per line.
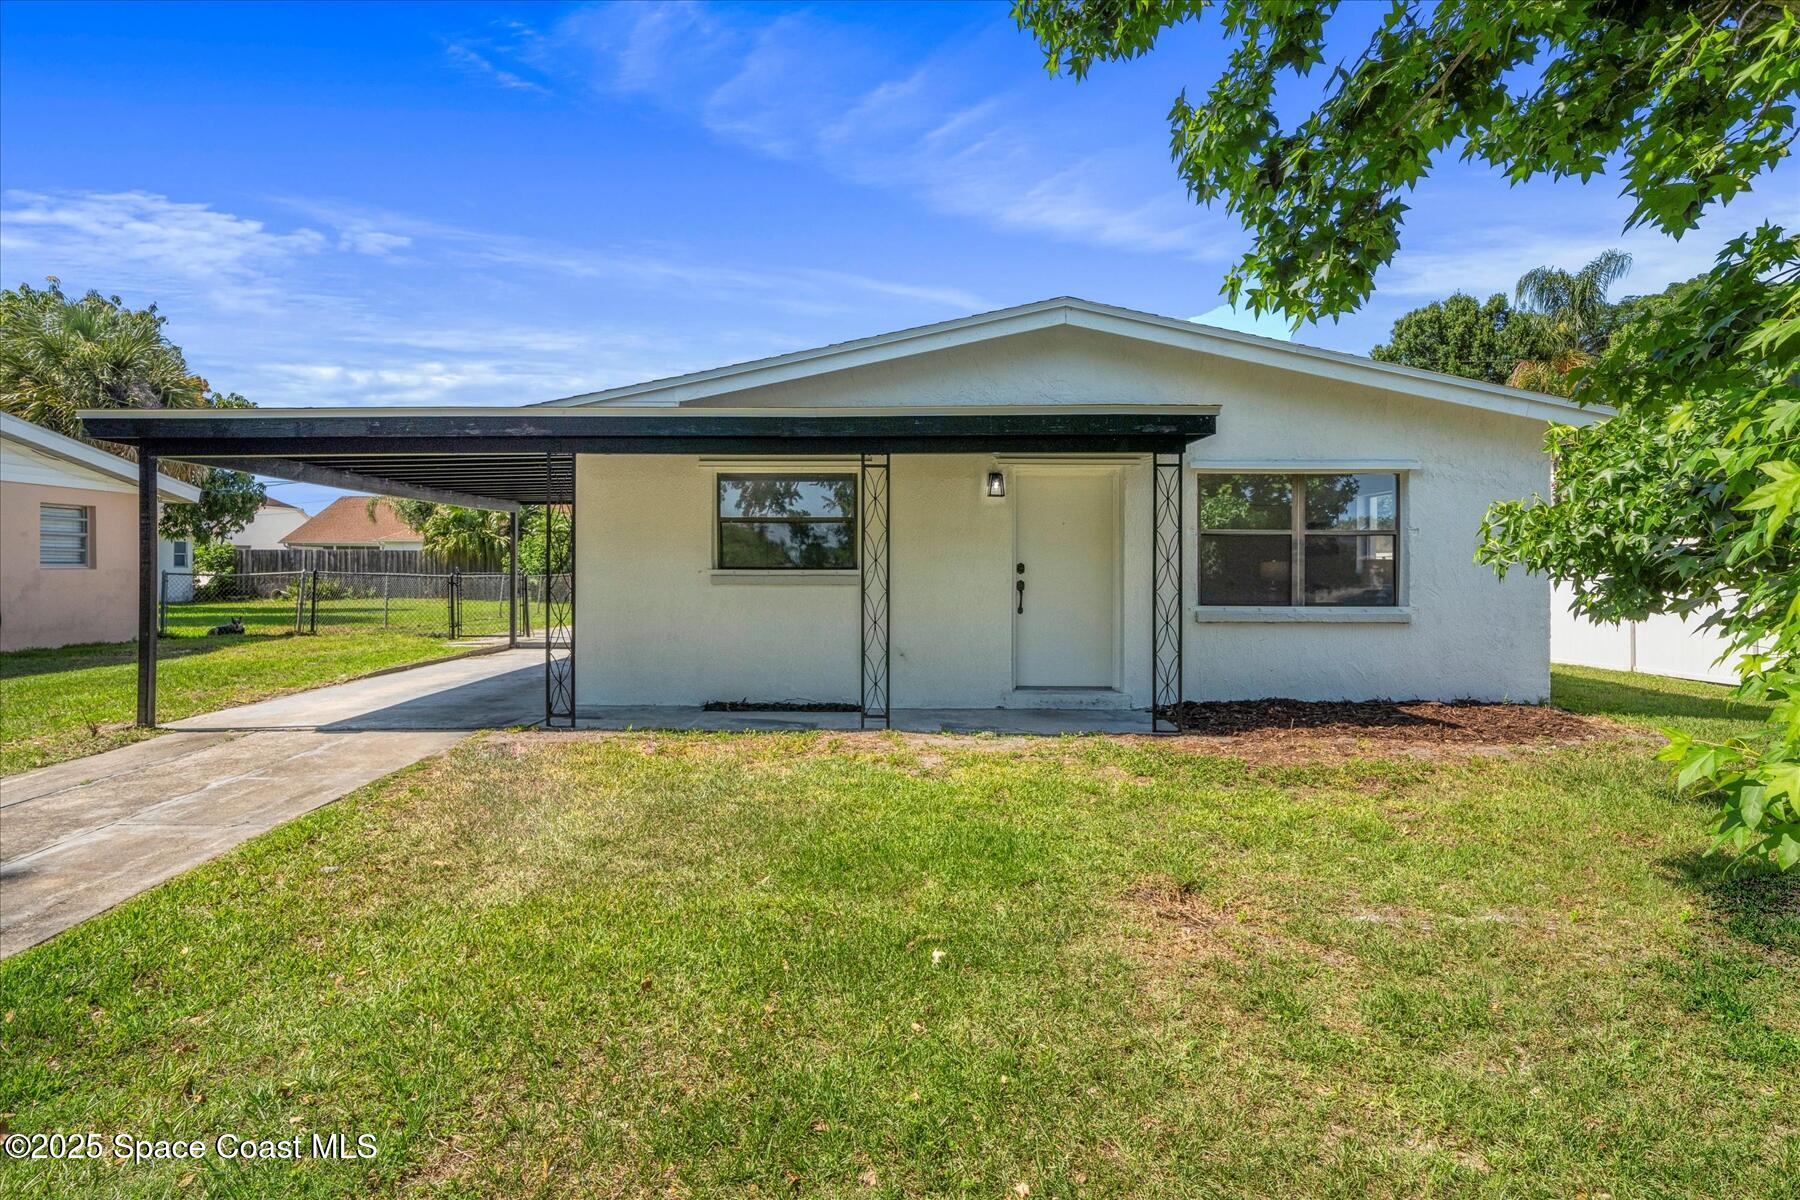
x=1322 y=540
x=786 y=523
x=64 y=533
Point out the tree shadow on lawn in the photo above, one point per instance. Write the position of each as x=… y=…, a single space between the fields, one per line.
x=23 y=664
x=1755 y=903
x=1626 y=701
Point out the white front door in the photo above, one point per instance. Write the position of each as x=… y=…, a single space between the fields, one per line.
x=1066 y=556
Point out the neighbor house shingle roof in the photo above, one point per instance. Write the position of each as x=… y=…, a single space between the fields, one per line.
x=346 y=521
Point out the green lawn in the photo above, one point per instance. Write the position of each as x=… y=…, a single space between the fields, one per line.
x=817 y=964
x=424 y=617
x=75 y=700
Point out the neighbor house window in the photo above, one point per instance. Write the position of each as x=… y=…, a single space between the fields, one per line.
x=178 y=556
x=1323 y=540
x=65 y=535
x=787 y=523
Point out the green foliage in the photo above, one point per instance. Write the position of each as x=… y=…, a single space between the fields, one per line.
x=472 y=536
x=1686 y=498
x=466 y=537
x=215 y=558
x=58 y=356
x=216 y=564
x=531 y=540
x=1692 y=103
x=228 y=502
x=1462 y=336
x=1574 y=304
x=1574 y=315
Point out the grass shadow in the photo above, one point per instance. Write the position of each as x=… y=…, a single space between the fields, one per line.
x=1652 y=699
x=1756 y=903
x=23 y=664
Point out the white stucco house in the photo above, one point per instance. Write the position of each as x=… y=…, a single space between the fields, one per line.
x=1059 y=505
x=274 y=520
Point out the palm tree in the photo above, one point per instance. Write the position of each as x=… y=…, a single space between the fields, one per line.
x=1574 y=311
x=59 y=355
x=467 y=537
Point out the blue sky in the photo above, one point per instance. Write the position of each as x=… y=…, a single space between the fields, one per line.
x=453 y=204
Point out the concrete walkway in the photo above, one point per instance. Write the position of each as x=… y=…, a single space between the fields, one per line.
x=81 y=836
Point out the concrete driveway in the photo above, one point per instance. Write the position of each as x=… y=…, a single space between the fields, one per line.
x=79 y=837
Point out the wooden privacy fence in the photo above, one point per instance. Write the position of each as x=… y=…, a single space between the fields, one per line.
x=367 y=561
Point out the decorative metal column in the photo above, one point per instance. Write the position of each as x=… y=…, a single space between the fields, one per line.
x=559 y=616
x=1167 y=560
x=873 y=558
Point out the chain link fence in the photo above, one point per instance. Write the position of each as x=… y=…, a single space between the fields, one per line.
x=454 y=605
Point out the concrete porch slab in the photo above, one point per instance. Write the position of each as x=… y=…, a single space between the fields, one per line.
x=1042 y=722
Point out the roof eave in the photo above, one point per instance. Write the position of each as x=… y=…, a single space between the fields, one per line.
x=79 y=454
x=1086 y=314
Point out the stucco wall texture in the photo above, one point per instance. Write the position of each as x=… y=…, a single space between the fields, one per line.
x=655 y=624
x=57 y=606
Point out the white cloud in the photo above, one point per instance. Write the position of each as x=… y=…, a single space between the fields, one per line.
x=473 y=61
x=799 y=87
x=371 y=241
x=138 y=238
x=794 y=288
x=1483 y=256
x=362 y=306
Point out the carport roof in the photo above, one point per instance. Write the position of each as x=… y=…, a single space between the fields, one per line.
x=503 y=457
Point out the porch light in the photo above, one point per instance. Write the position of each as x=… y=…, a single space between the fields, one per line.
x=996 y=483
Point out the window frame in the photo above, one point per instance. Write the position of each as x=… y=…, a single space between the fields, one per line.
x=720 y=520
x=1298 y=532
x=87 y=537
x=180 y=558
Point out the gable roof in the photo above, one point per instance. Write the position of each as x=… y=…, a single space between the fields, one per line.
x=346 y=521
x=1101 y=318
x=89 y=461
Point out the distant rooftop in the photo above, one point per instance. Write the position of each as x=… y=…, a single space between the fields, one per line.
x=347 y=521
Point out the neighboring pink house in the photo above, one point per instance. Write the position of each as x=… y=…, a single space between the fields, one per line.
x=69 y=539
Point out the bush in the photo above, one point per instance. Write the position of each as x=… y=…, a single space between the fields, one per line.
x=215 y=567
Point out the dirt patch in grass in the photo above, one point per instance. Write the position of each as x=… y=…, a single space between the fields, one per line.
x=1186 y=923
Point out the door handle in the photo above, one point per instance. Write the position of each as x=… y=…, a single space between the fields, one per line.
x=1021 y=586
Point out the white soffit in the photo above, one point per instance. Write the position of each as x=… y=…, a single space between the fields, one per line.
x=89 y=461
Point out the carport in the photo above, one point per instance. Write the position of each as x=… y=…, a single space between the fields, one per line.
x=505 y=458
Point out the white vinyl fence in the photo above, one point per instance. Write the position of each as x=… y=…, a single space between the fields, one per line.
x=1663 y=645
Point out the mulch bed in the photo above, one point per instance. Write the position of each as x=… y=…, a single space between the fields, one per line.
x=1412 y=721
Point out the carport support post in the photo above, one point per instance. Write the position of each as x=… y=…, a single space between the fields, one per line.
x=147 y=589
x=512 y=581
x=549 y=648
